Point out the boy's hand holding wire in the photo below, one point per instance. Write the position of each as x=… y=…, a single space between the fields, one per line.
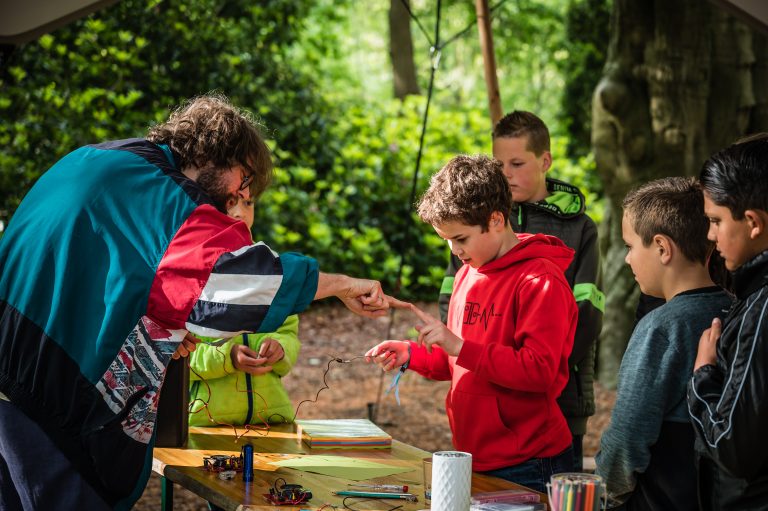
x=389 y=354
x=247 y=360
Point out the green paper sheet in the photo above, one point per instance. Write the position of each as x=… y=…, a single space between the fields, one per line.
x=355 y=469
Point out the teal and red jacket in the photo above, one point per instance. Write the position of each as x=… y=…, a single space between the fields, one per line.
x=111 y=258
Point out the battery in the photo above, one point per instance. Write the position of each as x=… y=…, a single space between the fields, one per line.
x=247 y=454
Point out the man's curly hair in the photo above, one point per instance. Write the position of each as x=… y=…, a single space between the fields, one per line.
x=468 y=189
x=208 y=131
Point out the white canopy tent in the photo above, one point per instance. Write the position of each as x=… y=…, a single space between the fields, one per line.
x=754 y=12
x=25 y=20
x=22 y=21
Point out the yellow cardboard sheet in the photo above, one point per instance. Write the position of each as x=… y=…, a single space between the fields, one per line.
x=355 y=469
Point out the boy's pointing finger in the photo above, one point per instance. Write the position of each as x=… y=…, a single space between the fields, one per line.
x=426 y=318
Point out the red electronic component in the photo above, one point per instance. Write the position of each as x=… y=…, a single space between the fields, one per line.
x=288 y=495
x=222 y=462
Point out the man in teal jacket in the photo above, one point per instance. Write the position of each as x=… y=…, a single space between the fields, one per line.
x=116 y=255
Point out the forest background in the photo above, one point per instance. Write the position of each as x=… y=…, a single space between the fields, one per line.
x=630 y=89
x=341 y=87
x=318 y=75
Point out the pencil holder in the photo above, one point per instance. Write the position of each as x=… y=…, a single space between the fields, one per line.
x=573 y=491
x=451 y=481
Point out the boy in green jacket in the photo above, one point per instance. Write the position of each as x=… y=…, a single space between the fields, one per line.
x=240 y=382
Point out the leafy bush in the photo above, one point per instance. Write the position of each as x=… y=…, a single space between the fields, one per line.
x=111 y=75
x=345 y=153
x=359 y=215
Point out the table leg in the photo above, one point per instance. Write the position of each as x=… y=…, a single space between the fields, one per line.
x=166 y=494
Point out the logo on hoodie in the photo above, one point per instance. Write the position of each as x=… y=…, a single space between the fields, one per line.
x=474 y=312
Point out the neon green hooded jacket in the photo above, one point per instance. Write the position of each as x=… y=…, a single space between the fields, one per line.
x=237 y=397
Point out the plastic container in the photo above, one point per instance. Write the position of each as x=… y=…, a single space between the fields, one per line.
x=506 y=497
x=575 y=491
x=503 y=506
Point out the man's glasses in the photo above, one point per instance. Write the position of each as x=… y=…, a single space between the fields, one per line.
x=247 y=180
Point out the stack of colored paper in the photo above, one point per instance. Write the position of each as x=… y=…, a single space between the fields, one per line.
x=342 y=434
x=506 y=496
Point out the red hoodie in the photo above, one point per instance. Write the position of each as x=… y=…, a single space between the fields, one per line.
x=517 y=317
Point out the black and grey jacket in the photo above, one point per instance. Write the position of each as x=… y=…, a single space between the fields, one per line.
x=728 y=401
x=562 y=214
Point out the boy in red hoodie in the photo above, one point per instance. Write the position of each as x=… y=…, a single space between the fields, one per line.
x=511 y=322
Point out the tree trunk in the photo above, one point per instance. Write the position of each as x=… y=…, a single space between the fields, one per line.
x=678 y=85
x=401 y=50
x=489 y=61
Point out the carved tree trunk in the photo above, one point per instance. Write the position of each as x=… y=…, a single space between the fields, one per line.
x=401 y=50
x=681 y=81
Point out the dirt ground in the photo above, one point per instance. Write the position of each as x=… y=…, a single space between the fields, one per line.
x=328 y=331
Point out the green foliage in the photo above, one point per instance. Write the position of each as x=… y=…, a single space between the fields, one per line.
x=529 y=34
x=111 y=75
x=317 y=73
x=358 y=215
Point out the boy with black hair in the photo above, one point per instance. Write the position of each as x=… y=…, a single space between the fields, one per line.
x=728 y=391
x=549 y=206
x=510 y=329
x=646 y=454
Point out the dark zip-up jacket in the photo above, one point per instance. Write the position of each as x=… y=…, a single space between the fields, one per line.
x=562 y=215
x=728 y=401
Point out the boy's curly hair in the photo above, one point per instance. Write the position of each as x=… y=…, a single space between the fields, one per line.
x=737 y=177
x=468 y=189
x=524 y=124
x=208 y=131
x=674 y=207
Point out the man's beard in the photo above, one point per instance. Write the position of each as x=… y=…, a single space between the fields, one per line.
x=211 y=180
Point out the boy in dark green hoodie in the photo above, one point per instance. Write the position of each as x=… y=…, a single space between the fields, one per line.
x=548 y=206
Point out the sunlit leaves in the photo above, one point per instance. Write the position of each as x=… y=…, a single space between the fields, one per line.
x=317 y=74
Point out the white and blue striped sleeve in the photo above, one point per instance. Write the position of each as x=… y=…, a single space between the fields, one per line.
x=253 y=289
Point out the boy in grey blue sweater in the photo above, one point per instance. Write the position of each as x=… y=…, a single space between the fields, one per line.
x=646 y=454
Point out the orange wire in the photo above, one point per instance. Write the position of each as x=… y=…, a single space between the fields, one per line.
x=259 y=413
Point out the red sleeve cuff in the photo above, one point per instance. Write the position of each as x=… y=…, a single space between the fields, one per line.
x=419 y=358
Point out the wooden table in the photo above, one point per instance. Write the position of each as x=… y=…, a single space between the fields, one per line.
x=183 y=466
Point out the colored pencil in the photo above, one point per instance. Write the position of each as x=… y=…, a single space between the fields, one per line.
x=589 y=501
x=563 y=496
x=571 y=491
x=599 y=496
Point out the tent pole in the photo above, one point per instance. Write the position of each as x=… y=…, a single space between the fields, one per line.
x=489 y=61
